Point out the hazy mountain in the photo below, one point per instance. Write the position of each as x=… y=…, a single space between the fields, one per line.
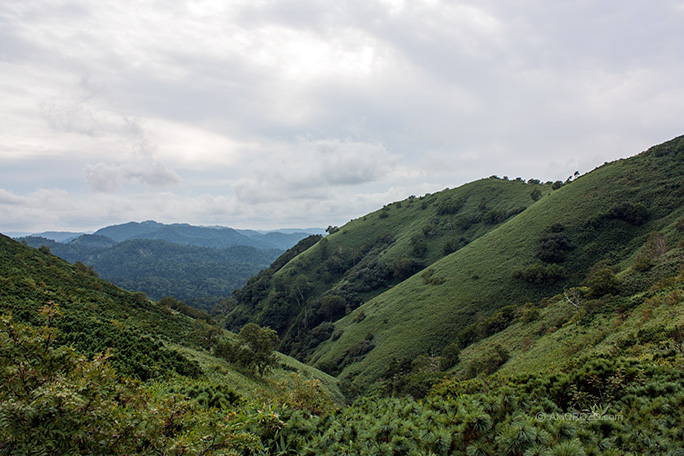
x=202 y=236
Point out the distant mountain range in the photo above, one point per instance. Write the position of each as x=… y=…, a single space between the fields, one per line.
x=200 y=265
x=185 y=234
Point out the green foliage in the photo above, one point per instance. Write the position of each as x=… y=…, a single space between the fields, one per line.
x=430 y=278
x=449 y=207
x=152 y=266
x=654 y=248
x=369 y=256
x=253 y=351
x=172 y=303
x=554 y=244
x=602 y=282
x=97 y=315
x=634 y=214
x=489 y=363
x=540 y=273
x=55 y=401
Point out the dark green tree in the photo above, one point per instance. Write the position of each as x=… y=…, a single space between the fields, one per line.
x=536 y=194
x=255 y=349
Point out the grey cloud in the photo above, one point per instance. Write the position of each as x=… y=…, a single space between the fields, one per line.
x=69 y=117
x=107 y=178
x=312 y=169
x=9 y=198
x=445 y=89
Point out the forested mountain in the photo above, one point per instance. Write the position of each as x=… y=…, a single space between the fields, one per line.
x=368 y=256
x=201 y=236
x=199 y=265
x=55 y=317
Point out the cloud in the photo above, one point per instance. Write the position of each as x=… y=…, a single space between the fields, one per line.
x=279 y=110
x=103 y=177
x=312 y=169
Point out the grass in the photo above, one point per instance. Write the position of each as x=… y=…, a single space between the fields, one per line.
x=412 y=318
x=368 y=244
x=97 y=315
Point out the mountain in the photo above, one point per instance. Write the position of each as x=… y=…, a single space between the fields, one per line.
x=59 y=236
x=200 y=236
x=148 y=340
x=200 y=276
x=555 y=330
x=598 y=221
x=199 y=265
x=370 y=255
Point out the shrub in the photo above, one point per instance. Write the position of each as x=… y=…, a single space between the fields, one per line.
x=634 y=214
x=553 y=245
x=55 y=401
x=489 y=363
x=493 y=217
x=602 y=282
x=540 y=273
x=450 y=207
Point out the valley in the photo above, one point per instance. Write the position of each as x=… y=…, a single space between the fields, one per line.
x=504 y=316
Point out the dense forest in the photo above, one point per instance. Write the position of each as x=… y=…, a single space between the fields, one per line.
x=199 y=265
x=503 y=317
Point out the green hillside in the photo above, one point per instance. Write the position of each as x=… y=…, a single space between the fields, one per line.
x=601 y=218
x=148 y=340
x=301 y=298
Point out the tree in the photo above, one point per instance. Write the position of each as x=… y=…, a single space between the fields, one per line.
x=256 y=347
x=602 y=282
x=536 y=194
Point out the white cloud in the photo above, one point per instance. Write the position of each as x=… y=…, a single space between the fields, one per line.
x=312 y=169
x=107 y=178
x=281 y=111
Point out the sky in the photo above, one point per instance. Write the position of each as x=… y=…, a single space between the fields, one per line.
x=268 y=114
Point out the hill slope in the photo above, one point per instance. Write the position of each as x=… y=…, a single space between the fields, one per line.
x=303 y=292
x=148 y=340
x=602 y=218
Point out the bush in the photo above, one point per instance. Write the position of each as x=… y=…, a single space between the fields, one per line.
x=553 y=245
x=489 y=363
x=602 y=282
x=634 y=214
x=452 y=245
x=540 y=273
x=450 y=207
x=55 y=401
x=254 y=350
x=403 y=268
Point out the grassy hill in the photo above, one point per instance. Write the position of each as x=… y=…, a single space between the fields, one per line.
x=601 y=219
x=148 y=341
x=309 y=288
x=409 y=279
x=556 y=330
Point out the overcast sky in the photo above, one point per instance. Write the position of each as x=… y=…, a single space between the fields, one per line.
x=292 y=113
